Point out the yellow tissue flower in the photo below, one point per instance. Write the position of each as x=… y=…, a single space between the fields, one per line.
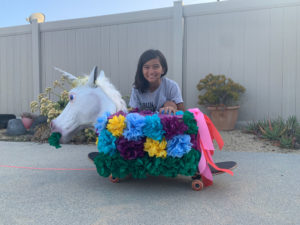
x=97 y=140
x=116 y=125
x=156 y=148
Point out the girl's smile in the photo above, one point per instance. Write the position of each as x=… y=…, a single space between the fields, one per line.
x=152 y=71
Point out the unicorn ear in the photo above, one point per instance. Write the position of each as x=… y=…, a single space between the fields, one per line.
x=102 y=75
x=93 y=77
x=66 y=74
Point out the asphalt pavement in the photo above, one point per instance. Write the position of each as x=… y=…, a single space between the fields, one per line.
x=43 y=185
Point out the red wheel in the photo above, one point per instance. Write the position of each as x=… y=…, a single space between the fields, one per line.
x=197 y=185
x=114 y=179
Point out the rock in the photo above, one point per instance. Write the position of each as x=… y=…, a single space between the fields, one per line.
x=15 y=127
x=4 y=118
x=36 y=122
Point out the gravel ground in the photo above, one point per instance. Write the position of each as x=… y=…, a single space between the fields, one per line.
x=235 y=140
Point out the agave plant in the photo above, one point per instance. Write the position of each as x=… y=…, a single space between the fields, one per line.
x=285 y=133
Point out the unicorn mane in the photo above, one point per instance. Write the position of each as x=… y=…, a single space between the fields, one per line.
x=109 y=89
x=103 y=82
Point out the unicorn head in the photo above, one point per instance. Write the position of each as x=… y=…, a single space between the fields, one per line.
x=87 y=102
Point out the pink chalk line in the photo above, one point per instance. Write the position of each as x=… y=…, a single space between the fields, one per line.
x=34 y=168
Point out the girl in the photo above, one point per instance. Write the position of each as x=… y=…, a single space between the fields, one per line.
x=152 y=91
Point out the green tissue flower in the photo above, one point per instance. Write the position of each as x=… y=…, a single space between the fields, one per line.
x=102 y=162
x=188 y=119
x=54 y=140
x=141 y=167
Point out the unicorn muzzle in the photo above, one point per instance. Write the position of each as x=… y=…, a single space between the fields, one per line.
x=56 y=129
x=66 y=131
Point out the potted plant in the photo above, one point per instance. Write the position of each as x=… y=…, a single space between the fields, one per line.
x=27 y=119
x=220 y=95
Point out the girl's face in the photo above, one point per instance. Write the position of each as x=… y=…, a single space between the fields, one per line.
x=152 y=71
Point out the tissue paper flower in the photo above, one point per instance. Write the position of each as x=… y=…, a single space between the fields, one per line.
x=155 y=148
x=106 y=143
x=134 y=126
x=179 y=145
x=116 y=125
x=153 y=128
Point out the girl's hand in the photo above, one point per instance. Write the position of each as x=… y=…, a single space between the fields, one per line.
x=171 y=108
x=168 y=108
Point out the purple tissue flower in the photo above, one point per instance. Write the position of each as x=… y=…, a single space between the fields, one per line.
x=194 y=141
x=117 y=114
x=173 y=126
x=130 y=149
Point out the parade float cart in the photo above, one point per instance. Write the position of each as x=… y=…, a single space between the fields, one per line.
x=141 y=144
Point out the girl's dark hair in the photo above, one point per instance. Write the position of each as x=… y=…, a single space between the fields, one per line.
x=140 y=82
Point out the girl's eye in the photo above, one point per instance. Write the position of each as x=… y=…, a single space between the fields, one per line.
x=154 y=67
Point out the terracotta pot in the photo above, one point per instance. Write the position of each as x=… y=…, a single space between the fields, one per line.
x=224 y=117
x=27 y=122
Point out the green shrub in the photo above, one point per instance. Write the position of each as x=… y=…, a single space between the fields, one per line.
x=219 y=90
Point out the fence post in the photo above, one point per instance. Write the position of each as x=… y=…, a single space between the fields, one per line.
x=35 y=37
x=178 y=32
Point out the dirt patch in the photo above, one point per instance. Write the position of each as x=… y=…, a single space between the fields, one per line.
x=235 y=140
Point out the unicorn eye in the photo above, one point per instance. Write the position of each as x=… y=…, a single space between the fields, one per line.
x=71 y=97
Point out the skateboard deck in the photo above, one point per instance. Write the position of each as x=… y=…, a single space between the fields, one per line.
x=230 y=165
x=92 y=155
x=224 y=165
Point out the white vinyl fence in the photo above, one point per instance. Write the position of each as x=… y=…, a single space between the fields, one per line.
x=254 y=42
x=257 y=43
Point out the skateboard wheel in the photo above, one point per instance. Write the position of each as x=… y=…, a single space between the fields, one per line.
x=197 y=185
x=114 y=179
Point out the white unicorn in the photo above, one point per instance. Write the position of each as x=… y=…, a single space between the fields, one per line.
x=87 y=102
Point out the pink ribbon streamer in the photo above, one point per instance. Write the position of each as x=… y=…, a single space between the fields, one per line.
x=203 y=138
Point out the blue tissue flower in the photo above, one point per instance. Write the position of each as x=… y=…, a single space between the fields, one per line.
x=179 y=145
x=179 y=112
x=153 y=128
x=101 y=122
x=134 y=127
x=106 y=143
